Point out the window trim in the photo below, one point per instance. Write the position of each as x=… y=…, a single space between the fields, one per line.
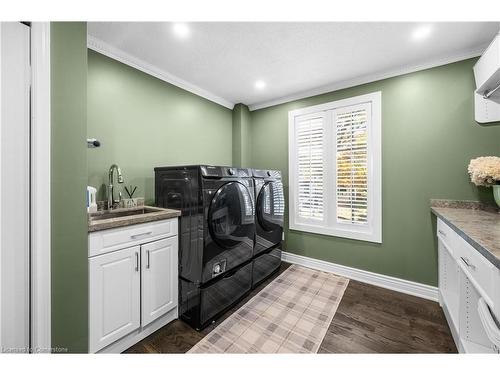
x=371 y=233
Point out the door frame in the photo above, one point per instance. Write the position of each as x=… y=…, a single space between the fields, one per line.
x=25 y=171
x=40 y=188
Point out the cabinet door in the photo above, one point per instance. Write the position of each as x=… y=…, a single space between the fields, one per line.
x=449 y=282
x=159 y=278
x=114 y=299
x=473 y=335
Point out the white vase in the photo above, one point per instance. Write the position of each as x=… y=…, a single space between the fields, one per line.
x=496 y=194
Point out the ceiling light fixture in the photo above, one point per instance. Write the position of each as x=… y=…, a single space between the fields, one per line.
x=421 y=32
x=260 y=84
x=181 y=30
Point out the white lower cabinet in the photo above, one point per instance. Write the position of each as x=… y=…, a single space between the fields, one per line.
x=159 y=278
x=132 y=291
x=449 y=283
x=114 y=291
x=473 y=333
x=469 y=291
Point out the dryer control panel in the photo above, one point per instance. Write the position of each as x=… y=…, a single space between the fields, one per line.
x=220 y=172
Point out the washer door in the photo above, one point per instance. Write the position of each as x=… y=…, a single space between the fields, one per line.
x=231 y=216
x=271 y=206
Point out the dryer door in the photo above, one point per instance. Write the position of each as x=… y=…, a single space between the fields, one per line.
x=271 y=206
x=231 y=215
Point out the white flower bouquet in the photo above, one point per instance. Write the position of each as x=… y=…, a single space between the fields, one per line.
x=485 y=171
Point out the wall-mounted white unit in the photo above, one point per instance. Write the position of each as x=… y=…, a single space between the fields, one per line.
x=487 y=76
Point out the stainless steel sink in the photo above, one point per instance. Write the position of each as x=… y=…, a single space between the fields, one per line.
x=124 y=212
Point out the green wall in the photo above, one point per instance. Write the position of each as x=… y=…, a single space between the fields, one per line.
x=143 y=122
x=428 y=137
x=68 y=185
x=241 y=136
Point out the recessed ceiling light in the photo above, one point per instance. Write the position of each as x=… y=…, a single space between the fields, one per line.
x=181 y=30
x=421 y=32
x=260 y=84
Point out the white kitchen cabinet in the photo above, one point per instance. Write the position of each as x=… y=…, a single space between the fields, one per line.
x=487 y=76
x=114 y=296
x=469 y=291
x=473 y=337
x=449 y=283
x=159 y=278
x=132 y=283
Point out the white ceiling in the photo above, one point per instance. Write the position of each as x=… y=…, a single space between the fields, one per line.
x=222 y=61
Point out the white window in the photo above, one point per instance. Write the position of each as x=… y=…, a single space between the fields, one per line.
x=335 y=168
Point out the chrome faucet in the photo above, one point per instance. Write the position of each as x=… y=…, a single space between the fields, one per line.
x=111 y=193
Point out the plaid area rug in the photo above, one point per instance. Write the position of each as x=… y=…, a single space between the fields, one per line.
x=290 y=315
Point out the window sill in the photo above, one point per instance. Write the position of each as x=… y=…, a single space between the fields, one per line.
x=367 y=236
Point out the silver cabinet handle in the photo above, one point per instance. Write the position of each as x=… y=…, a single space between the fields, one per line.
x=141 y=234
x=136 y=261
x=147 y=265
x=468 y=263
x=442 y=233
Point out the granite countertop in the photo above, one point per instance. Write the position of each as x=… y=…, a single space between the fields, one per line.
x=122 y=217
x=476 y=223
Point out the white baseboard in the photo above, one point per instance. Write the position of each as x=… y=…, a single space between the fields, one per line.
x=388 y=282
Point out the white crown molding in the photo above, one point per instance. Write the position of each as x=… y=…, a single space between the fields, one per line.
x=457 y=56
x=115 y=53
x=384 y=281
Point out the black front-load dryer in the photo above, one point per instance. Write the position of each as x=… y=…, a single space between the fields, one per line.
x=269 y=209
x=217 y=230
x=269 y=217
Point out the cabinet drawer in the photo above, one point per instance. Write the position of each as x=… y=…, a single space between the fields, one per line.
x=478 y=269
x=219 y=296
x=199 y=306
x=447 y=235
x=104 y=241
x=264 y=265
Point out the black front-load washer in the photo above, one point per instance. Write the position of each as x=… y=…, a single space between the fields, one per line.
x=217 y=229
x=269 y=218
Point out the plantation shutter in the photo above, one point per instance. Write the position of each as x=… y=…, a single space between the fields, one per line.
x=335 y=168
x=309 y=132
x=351 y=126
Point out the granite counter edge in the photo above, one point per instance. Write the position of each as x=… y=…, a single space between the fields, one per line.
x=96 y=227
x=471 y=241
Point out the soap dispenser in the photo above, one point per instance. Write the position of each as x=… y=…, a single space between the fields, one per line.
x=91 y=199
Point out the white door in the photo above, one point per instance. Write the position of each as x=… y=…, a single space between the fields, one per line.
x=114 y=296
x=159 y=278
x=14 y=186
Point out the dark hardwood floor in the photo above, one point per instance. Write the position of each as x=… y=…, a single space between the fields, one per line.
x=377 y=320
x=369 y=319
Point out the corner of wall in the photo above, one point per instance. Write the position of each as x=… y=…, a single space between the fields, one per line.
x=241 y=136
